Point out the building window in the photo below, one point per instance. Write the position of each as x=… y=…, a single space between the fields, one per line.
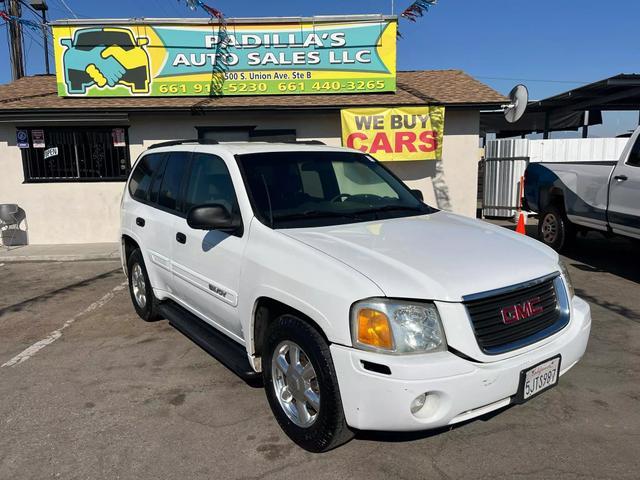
x=76 y=154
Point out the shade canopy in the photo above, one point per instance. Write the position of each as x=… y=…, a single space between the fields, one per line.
x=567 y=111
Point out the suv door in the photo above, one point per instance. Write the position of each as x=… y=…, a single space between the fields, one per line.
x=142 y=220
x=164 y=196
x=207 y=264
x=624 y=194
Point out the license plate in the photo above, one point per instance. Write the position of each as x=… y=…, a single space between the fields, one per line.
x=538 y=378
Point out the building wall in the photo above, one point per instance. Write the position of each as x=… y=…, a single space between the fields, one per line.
x=89 y=212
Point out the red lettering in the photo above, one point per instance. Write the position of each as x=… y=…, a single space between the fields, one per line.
x=509 y=315
x=522 y=311
x=430 y=140
x=534 y=303
x=381 y=142
x=351 y=141
x=405 y=140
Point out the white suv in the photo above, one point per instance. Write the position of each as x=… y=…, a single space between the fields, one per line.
x=316 y=271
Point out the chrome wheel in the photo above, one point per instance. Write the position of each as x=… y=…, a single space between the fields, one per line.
x=139 y=285
x=295 y=384
x=549 y=228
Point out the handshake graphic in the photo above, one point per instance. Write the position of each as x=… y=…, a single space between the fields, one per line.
x=105 y=57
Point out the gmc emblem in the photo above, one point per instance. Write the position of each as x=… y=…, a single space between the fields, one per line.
x=520 y=311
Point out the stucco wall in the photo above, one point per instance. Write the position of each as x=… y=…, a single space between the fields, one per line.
x=89 y=212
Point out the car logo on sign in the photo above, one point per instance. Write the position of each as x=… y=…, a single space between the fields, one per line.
x=520 y=311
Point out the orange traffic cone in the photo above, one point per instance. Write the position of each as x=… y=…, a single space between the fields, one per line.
x=520 y=228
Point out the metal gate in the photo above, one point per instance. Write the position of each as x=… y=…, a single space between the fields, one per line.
x=502 y=185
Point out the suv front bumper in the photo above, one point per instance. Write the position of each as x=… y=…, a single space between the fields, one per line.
x=458 y=389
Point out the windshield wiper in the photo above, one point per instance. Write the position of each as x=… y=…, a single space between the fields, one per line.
x=389 y=208
x=315 y=214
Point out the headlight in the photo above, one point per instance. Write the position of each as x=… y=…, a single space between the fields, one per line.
x=396 y=326
x=567 y=278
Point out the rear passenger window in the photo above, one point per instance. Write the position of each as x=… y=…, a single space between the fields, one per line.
x=142 y=175
x=172 y=180
x=210 y=182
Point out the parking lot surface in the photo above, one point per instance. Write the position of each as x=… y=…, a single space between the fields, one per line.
x=88 y=390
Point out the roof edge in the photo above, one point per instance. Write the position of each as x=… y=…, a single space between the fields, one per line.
x=232 y=21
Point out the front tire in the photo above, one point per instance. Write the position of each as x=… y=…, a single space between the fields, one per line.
x=554 y=229
x=302 y=386
x=144 y=301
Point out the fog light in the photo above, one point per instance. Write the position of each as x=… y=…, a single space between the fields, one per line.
x=418 y=403
x=427 y=405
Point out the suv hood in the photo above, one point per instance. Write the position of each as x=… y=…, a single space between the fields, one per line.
x=439 y=256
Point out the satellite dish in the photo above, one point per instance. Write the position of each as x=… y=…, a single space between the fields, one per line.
x=519 y=98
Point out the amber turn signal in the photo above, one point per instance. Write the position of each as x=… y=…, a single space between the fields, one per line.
x=374 y=329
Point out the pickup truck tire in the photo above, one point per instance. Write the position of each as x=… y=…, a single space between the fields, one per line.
x=555 y=229
x=296 y=359
x=144 y=301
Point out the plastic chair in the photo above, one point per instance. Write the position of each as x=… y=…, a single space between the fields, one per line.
x=11 y=215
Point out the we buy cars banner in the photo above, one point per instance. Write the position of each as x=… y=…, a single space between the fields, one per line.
x=395 y=134
x=236 y=57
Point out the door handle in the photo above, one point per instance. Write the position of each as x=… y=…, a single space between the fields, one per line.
x=181 y=237
x=620 y=178
x=140 y=222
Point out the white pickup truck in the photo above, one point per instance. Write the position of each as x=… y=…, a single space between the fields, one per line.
x=315 y=271
x=574 y=196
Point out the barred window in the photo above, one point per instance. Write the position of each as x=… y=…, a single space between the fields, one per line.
x=76 y=154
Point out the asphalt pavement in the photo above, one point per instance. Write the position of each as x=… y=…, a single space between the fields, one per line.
x=90 y=391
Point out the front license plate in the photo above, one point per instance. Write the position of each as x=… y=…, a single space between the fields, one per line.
x=538 y=378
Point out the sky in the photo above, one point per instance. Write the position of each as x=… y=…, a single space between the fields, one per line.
x=549 y=45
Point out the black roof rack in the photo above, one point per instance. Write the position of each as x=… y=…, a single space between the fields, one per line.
x=208 y=141
x=306 y=142
x=201 y=141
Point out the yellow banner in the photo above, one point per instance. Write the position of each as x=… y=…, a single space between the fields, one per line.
x=395 y=134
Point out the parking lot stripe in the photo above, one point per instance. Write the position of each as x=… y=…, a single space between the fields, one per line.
x=29 y=352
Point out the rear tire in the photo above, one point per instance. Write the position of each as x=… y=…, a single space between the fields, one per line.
x=555 y=229
x=144 y=301
x=306 y=400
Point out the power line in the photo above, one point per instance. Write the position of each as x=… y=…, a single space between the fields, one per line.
x=533 y=80
x=68 y=8
x=25 y=4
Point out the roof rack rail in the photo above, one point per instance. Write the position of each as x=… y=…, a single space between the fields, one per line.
x=306 y=142
x=201 y=141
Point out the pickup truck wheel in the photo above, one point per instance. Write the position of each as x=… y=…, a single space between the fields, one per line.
x=302 y=387
x=144 y=301
x=554 y=228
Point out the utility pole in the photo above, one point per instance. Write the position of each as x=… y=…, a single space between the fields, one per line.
x=41 y=6
x=15 y=38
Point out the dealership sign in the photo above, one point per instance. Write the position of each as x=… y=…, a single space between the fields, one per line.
x=395 y=134
x=270 y=57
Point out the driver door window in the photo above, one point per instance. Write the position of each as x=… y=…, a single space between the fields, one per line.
x=210 y=182
x=634 y=155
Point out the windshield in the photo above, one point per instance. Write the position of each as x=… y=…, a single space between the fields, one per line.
x=93 y=38
x=306 y=189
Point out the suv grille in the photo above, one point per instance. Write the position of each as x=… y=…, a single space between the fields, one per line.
x=512 y=318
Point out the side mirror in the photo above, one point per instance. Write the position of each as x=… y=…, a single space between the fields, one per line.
x=66 y=42
x=214 y=216
x=418 y=194
x=142 y=41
